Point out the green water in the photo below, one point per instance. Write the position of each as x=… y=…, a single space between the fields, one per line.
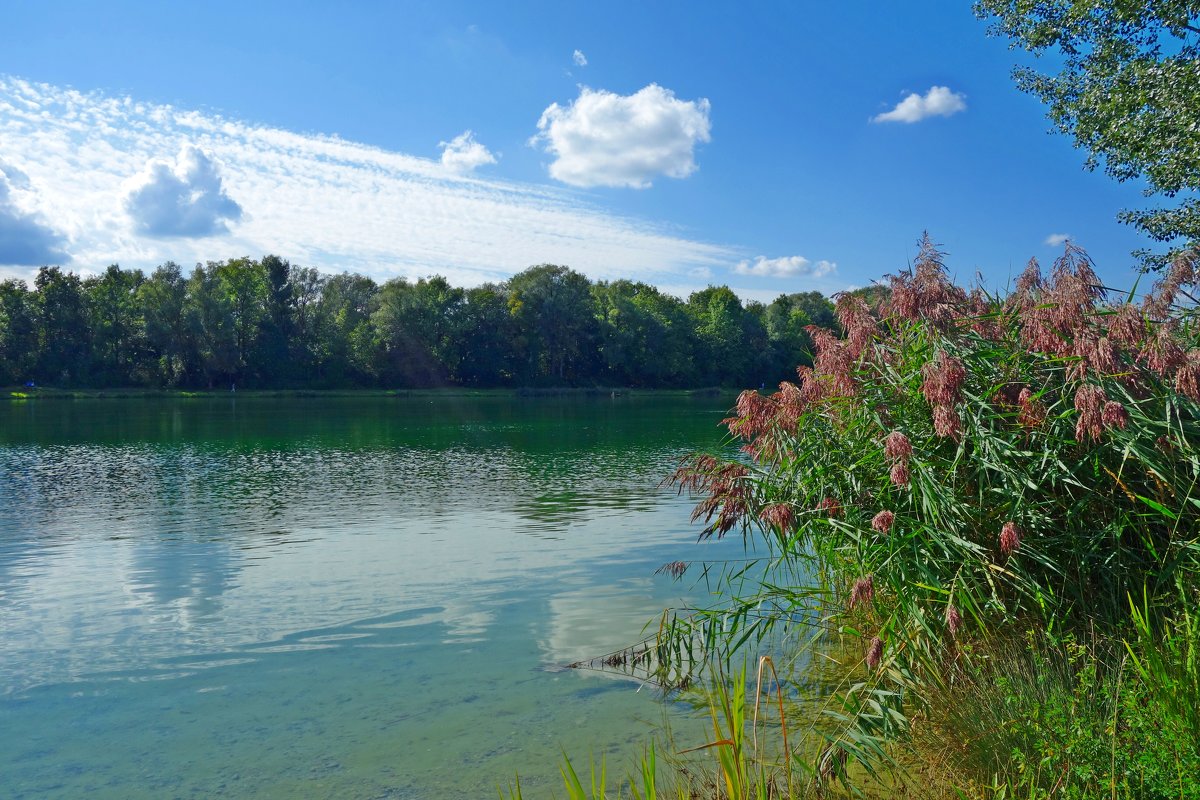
x=342 y=597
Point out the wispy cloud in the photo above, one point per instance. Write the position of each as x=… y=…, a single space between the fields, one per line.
x=181 y=198
x=579 y=58
x=939 y=101
x=607 y=139
x=25 y=240
x=319 y=200
x=463 y=153
x=1057 y=239
x=784 y=267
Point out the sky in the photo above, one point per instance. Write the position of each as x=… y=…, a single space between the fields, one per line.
x=771 y=147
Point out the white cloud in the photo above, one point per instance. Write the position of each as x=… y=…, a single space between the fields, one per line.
x=320 y=201
x=579 y=58
x=784 y=267
x=1057 y=239
x=463 y=153
x=607 y=139
x=939 y=101
x=182 y=198
x=25 y=241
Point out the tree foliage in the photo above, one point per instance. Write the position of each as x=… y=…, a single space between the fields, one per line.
x=1128 y=91
x=269 y=323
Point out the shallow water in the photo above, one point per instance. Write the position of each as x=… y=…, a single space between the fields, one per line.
x=332 y=597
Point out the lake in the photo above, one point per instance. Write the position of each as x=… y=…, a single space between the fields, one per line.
x=355 y=597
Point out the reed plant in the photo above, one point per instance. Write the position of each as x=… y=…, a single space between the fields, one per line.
x=980 y=516
x=958 y=469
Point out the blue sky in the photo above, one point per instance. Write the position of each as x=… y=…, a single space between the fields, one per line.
x=758 y=145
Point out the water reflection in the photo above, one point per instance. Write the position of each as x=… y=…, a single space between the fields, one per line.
x=181 y=581
x=336 y=598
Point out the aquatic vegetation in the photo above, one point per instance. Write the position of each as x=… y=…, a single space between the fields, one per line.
x=958 y=471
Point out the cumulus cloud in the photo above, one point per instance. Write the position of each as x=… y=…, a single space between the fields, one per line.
x=183 y=198
x=1057 y=239
x=25 y=241
x=321 y=201
x=784 y=267
x=607 y=139
x=579 y=58
x=463 y=153
x=939 y=101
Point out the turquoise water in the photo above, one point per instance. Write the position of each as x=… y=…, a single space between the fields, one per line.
x=332 y=597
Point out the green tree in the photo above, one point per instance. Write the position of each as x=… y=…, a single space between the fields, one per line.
x=163 y=306
x=487 y=334
x=728 y=340
x=211 y=324
x=306 y=287
x=18 y=332
x=245 y=286
x=553 y=309
x=1128 y=91
x=271 y=356
x=643 y=335
x=416 y=325
x=343 y=337
x=118 y=328
x=64 y=336
x=786 y=319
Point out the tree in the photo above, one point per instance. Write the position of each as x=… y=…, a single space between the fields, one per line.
x=725 y=338
x=787 y=318
x=344 y=336
x=415 y=323
x=272 y=356
x=306 y=287
x=244 y=284
x=118 y=329
x=18 y=332
x=1128 y=92
x=487 y=336
x=643 y=334
x=553 y=309
x=163 y=302
x=64 y=336
x=211 y=324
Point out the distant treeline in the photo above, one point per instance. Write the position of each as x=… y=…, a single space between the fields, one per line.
x=269 y=324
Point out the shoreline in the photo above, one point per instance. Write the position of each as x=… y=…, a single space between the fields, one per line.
x=20 y=394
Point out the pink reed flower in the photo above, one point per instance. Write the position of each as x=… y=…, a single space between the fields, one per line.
x=874 y=653
x=1114 y=415
x=953 y=619
x=943 y=380
x=778 y=515
x=1089 y=402
x=946 y=422
x=1032 y=412
x=1187 y=379
x=831 y=507
x=862 y=592
x=1161 y=353
x=1010 y=538
x=897 y=447
x=882 y=522
x=1127 y=326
